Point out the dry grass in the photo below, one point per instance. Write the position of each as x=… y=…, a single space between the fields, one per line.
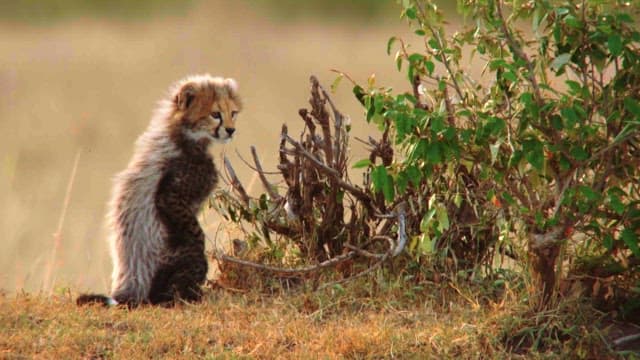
x=360 y=321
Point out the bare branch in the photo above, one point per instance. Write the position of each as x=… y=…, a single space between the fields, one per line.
x=368 y=270
x=267 y=186
x=443 y=55
x=313 y=268
x=235 y=182
x=252 y=167
x=515 y=46
x=401 y=212
x=285 y=166
x=626 y=339
x=415 y=86
x=539 y=241
x=319 y=112
x=338 y=120
x=290 y=272
x=359 y=194
x=304 y=114
x=345 y=75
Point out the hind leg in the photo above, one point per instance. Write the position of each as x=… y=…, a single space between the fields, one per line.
x=180 y=279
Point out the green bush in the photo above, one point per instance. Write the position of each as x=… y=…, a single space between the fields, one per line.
x=545 y=157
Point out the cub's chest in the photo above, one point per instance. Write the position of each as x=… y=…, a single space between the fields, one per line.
x=194 y=176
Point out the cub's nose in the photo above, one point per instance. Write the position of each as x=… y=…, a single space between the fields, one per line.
x=230 y=131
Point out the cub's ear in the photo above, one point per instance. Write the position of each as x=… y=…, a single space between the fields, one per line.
x=231 y=84
x=185 y=96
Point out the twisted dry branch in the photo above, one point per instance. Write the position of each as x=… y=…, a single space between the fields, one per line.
x=235 y=182
x=267 y=186
x=395 y=249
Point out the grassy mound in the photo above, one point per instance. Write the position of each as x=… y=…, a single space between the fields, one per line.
x=364 y=319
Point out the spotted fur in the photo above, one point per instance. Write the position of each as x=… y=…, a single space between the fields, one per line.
x=157 y=244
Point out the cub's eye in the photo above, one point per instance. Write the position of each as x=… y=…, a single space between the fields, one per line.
x=216 y=115
x=233 y=114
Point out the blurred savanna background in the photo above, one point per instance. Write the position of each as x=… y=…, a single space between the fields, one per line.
x=79 y=80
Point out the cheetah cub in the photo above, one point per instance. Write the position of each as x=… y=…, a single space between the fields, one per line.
x=157 y=244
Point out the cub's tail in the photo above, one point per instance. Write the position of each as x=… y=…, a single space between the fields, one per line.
x=89 y=299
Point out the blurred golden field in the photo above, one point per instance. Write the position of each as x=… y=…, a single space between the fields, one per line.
x=83 y=87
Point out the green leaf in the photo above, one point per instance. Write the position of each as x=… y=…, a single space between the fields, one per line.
x=616 y=204
x=624 y=17
x=564 y=163
x=402 y=182
x=378 y=177
x=539 y=218
x=433 y=43
x=495 y=125
x=588 y=193
x=526 y=99
x=509 y=75
x=359 y=93
x=443 y=219
x=572 y=21
x=434 y=155
x=493 y=149
x=490 y=194
x=382 y=181
x=416 y=151
x=632 y=106
x=392 y=40
x=579 y=153
x=411 y=13
x=414 y=175
x=378 y=102
x=534 y=153
x=571 y=116
x=556 y=122
x=388 y=189
x=416 y=58
x=362 y=164
x=574 y=87
x=404 y=125
x=457 y=200
x=631 y=240
x=336 y=83
x=615 y=44
x=427 y=245
x=430 y=66
x=426 y=219
x=560 y=61
x=607 y=241
x=508 y=198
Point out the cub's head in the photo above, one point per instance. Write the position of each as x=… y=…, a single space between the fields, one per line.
x=206 y=108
